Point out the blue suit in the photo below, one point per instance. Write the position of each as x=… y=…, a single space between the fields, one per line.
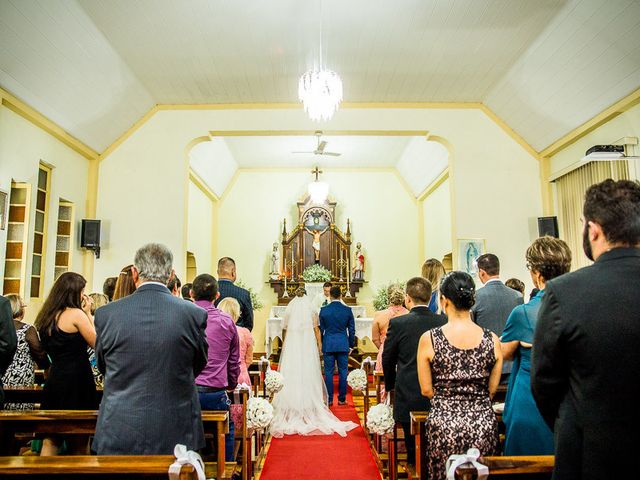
x=338 y=329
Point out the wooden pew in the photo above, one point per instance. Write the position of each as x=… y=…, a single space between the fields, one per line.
x=83 y=422
x=418 y=424
x=82 y=466
x=507 y=468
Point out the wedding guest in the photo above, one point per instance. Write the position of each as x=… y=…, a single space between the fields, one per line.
x=227 y=277
x=382 y=318
x=433 y=271
x=21 y=372
x=495 y=300
x=125 y=284
x=399 y=356
x=65 y=325
x=223 y=364
x=150 y=346
x=99 y=300
x=174 y=285
x=527 y=433
x=185 y=291
x=515 y=284
x=109 y=287
x=459 y=368
x=231 y=307
x=8 y=340
x=584 y=370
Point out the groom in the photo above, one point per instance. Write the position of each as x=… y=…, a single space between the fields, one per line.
x=338 y=337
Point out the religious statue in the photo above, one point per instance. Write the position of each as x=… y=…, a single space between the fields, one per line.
x=316 y=242
x=275 y=262
x=358 y=264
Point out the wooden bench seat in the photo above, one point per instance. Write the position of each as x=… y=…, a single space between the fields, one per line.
x=516 y=468
x=83 y=466
x=155 y=466
x=83 y=422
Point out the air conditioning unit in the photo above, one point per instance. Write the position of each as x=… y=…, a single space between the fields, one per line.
x=605 y=153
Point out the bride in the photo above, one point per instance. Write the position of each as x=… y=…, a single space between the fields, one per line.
x=300 y=407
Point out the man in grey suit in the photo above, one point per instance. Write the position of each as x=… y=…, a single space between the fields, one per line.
x=150 y=346
x=495 y=300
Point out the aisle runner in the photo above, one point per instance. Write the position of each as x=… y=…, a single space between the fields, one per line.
x=322 y=457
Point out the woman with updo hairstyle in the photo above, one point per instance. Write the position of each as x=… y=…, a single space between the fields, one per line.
x=459 y=367
x=381 y=320
x=526 y=431
x=125 y=285
x=433 y=270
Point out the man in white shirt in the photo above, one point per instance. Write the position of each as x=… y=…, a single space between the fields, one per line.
x=322 y=299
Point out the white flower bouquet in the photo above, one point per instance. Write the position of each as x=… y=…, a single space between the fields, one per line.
x=316 y=273
x=380 y=419
x=273 y=381
x=357 y=379
x=259 y=414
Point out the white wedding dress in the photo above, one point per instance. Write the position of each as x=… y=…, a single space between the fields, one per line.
x=300 y=407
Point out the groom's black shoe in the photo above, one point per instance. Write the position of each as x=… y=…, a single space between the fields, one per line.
x=342 y=402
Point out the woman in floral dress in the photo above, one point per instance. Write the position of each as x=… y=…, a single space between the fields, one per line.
x=459 y=367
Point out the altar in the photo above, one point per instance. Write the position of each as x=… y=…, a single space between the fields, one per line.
x=313 y=252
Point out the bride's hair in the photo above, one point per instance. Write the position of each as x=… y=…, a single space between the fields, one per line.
x=300 y=292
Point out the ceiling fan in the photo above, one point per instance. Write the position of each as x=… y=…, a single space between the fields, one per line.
x=321 y=145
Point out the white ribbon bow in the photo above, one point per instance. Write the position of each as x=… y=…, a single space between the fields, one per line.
x=236 y=392
x=471 y=457
x=186 y=457
x=264 y=361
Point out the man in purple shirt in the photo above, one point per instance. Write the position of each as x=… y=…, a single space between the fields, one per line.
x=223 y=363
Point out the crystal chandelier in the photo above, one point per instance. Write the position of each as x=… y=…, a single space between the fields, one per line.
x=320 y=89
x=321 y=93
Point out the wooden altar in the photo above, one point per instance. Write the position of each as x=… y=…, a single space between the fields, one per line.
x=299 y=252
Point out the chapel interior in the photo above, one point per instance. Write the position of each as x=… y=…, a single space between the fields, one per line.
x=460 y=123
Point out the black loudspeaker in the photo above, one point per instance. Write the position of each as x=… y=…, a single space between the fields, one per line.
x=548 y=226
x=90 y=236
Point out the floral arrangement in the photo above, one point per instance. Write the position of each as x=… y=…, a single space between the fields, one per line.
x=273 y=381
x=316 y=273
x=259 y=414
x=357 y=379
x=380 y=419
x=256 y=303
x=381 y=300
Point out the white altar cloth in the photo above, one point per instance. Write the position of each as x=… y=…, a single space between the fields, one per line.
x=274 y=329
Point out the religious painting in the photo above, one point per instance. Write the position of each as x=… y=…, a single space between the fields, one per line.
x=4 y=204
x=469 y=250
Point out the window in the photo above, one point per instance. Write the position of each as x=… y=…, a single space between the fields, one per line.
x=39 y=231
x=64 y=238
x=17 y=233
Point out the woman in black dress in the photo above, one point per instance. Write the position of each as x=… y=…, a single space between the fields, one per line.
x=459 y=367
x=66 y=328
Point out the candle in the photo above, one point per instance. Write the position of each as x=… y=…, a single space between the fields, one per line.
x=292 y=262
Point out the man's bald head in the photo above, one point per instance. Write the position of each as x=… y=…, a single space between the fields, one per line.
x=227 y=268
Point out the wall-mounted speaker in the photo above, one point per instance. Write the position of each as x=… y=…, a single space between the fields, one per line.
x=548 y=226
x=90 y=235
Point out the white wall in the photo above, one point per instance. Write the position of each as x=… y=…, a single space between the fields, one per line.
x=22 y=147
x=626 y=124
x=143 y=184
x=382 y=212
x=436 y=210
x=421 y=163
x=200 y=230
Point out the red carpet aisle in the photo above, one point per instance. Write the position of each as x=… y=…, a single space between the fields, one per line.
x=322 y=457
